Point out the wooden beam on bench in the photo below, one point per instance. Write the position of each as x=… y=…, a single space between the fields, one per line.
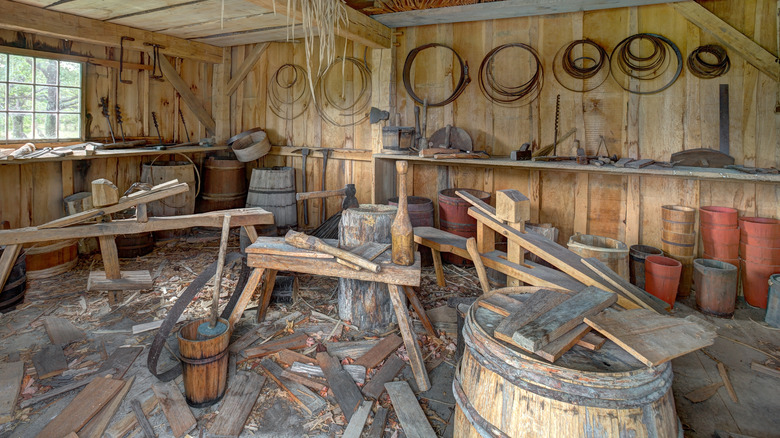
x=25 y=18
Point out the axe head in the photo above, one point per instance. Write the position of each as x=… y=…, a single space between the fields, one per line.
x=350 y=200
x=376 y=115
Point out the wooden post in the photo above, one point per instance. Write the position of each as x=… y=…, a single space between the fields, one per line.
x=514 y=208
x=401 y=230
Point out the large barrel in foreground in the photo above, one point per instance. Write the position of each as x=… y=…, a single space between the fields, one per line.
x=511 y=393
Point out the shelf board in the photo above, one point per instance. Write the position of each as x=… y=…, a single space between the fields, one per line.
x=115 y=153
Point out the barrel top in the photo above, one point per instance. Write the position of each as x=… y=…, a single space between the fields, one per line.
x=367 y=209
x=610 y=358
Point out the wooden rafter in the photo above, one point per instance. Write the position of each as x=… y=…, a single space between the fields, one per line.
x=187 y=96
x=361 y=29
x=246 y=67
x=26 y=18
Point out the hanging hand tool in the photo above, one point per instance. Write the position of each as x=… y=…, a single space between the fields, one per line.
x=122 y=58
x=557 y=119
x=423 y=134
x=156 y=61
x=724 y=119
x=417 y=126
x=401 y=230
x=118 y=116
x=104 y=105
x=185 y=125
x=157 y=127
x=325 y=153
x=304 y=154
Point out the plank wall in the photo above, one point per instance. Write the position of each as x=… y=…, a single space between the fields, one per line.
x=685 y=116
x=31 y=194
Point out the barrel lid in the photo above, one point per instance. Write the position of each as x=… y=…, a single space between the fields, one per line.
x=610 y=358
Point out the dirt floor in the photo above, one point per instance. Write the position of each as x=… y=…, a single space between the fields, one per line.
x=174 y=265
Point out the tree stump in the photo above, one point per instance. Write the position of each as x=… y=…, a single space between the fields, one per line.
x=366 y=304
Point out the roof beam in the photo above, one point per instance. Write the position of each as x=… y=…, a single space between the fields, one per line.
x=735 y=40
x=25 y=18
x=502 y=9
x=361 y=28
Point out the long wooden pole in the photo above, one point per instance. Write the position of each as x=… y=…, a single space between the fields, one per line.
x=220 y=265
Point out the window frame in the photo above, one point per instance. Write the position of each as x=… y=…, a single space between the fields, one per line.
x=82 y=111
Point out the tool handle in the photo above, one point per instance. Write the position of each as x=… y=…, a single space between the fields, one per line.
x=304 y=241
x=321 y=194
x=223 y=242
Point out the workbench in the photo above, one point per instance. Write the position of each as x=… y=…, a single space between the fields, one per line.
x=271 y=254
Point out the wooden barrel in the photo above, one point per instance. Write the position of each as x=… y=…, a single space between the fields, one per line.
x=76 y=203
x=605 y=393
x=204 y=364
x=224 y=185
x=273 y=189
x=716 y=287
x=612 y=252
x=134 y=245
x=686 y=278
x=454 y=218
x=678 y=218
x=636 y=263
x=47 y=259
x=365 y=303
x=15 y=286
x=159 y=172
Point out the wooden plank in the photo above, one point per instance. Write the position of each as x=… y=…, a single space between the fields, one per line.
x=737 y=42
x=555 y=349
x=562 y=318
x=358 y=421
x=479 y=204
x=351 y=349
x=631 y=291
x=376 y=386
x=535 y=306
x=724 y=375
x=419 y=309
x=288 y=357
x=410 y=339
x=61 y=331
x=377 y=428
x=128 y=280
x=705 y=392
x=238 y=403
x=380 y=351
x=311 y=401
x=763 y=369
x=129 y=422
x=85 y=406
x=140 y=417
x=25 y=18
x=592 y=341
x=11 y=374
x=98 y=424
x=357 y=372
x=246 y=66
x=309 y=382
x=49 y=362
x=189 y=98
x=408 y=410
x=292 y=342
x=246 y=294
x=501 y=304
x=649 y=337
x=347 y=394
x=175 y=408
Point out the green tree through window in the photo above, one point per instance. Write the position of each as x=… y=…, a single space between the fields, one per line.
x=40 y=99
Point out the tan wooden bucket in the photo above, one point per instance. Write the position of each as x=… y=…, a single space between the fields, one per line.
x=204 y=364
x=613 y=253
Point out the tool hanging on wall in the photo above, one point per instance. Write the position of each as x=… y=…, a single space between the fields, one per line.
x=304 y=153
x=156 y=61
x=104 y=105
x=157 y=127
x=118 y=116
x=516 y=94
x=463 y=81
x=122 y=58
x=557 y=120
x=325 y=153
x=186 y=131
x=723 y=107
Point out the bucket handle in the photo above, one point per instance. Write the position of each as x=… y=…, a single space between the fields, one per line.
x=197 y=176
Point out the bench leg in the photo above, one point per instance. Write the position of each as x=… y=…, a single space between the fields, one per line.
x=437 y=266
x=420 y=311
x=410 y=339
x=265 y=297
x=246 y=295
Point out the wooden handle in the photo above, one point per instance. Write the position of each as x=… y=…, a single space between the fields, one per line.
x=471 y=246
x=321 y=194
x=223 y=242
x=304 y=241
x=402 y=167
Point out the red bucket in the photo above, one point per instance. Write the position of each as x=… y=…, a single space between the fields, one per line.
x=662 y=277
x=762 y=227
x=454 y=218
x=759 y=254
x=718 y=216
x=755 y=282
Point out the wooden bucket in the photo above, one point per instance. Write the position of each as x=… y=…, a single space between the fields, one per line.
x=47 y=259
x=15 y=286
x=184 y=203
x=605 y=393
x=454 y=218
x=224 y=185
x=204 y=364
x=613 y=253
x=273 y=189
x=716 y=287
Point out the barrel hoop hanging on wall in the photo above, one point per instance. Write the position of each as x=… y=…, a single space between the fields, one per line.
x=510 y=95
x=463 y=80
x=288 y=92
x=703 y=69
x=337 y=110
x=629 y=67
x=581 y=66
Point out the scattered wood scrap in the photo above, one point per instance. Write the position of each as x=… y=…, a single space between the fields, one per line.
x=98 y=424
x=61 y=331
x=380 y=351
x=377 y=428
x=650 y=337
x=763 y=369
x=50 y=362
x=239 y=400
x=11 y=375
x=703 y=393
x=311 y=402
x=347 y=394
x=532 y=308
x=357 y=372
x=175 y=408
x=407 y=408
x=85 y=406
x=358 y=421
x=140 y=417
x=555 y=349
x=724 y=375
x=289 y=357
x=390 y=369
x=292 y=342
x=592 y=341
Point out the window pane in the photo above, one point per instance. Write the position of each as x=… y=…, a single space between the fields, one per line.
x=70 y=74
x=45 y=126
x=45 y=98
x=70 y=126
x=3 y=67
x=2 y=126
x=70 y=99
x=3 y=100
x=45 y=71
x=21 y=126
x=21 y=69
x=20 y=97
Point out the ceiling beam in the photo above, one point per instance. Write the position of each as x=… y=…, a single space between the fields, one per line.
x=24 y=18
x=361 y=28
x=735 y=40
x=502 y=9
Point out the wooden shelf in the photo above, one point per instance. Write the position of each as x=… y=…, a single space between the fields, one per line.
x=699 y=173
x=117 y=153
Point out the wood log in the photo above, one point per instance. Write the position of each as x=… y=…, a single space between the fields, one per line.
x=104 y=193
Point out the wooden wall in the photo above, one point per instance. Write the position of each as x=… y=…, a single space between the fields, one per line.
x=31 y=194
x=685 y=116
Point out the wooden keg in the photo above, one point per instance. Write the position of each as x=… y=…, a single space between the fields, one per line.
x=613 y=253
x=454 y=218
x=366 y=304
x=273 y=189
x=204 y=364
x=12 y=292
x=606 y=393
x=47 y=259
x=224 y=185
x=159 y=172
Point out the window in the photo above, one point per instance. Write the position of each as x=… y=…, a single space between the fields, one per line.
x=40 y=99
